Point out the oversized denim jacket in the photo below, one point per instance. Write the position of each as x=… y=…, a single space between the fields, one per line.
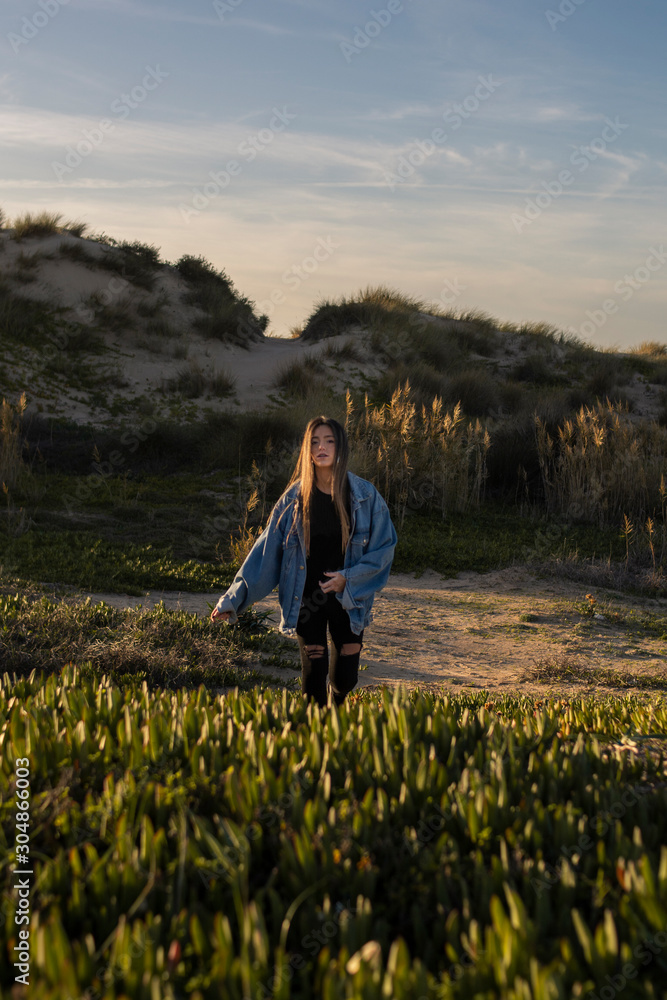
x=278 y=559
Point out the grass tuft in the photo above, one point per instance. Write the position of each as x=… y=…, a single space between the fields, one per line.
x=193 y=382
x=298 y=378
x=37 y=224
x=573 y=670
x=370 y=309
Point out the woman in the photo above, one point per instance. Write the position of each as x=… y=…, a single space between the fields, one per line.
x=328 y=547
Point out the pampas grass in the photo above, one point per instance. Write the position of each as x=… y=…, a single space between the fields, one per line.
x=419 y=457
x=602 y=465
x=11 y=442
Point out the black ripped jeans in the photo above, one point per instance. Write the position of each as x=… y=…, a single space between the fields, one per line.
x=317 y=610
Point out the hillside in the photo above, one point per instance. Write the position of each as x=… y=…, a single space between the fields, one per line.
x=101 y=332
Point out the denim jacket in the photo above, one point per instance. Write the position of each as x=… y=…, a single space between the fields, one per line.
x=278 y=559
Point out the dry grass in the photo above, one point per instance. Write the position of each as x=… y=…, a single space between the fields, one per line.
x=419 y=457
x=573 y=670
x=44 y=224
x=300 y=377
x=602 y=465
x=11 y=442
x=650 y=348
x=193 y=382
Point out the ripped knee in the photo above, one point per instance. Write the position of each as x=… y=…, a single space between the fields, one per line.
x=350 y=648
x=315 y=652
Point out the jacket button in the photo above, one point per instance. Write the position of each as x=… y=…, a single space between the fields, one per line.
x=300 y=567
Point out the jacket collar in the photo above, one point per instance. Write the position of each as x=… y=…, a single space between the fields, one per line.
x=360 y=489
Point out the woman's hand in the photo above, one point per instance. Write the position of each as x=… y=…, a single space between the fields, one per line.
x=219 y=616
x=334 y=586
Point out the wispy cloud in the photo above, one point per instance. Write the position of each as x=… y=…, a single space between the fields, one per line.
x=87 y=184
x=132 y=8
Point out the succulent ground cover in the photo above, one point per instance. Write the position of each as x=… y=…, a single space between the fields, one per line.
x=188 y=844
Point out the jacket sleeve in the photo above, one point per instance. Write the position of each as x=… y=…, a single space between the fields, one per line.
x=260 y=572
x=371 y=572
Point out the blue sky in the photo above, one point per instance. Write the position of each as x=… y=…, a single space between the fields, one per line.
x=508 y=157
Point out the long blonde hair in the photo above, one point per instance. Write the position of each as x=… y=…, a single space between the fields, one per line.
x=304 y=473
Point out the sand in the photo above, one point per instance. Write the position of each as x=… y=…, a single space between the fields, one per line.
x=479 y=631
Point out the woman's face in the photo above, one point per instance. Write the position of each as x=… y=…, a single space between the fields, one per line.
x=323 y=447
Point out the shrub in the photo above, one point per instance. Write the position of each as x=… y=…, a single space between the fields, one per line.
x=607 y=371
x=230 y=317
x=78 y=253
x=436 y=344
x=475 y=332
x=298 y=377
x=146 y=254
x=512 y=461
x=135 y=262
x=659 y=375
x=192 y=382
x=475 y=390
x=26 y=267
x=347 y=351
x=201 y=273
x=425 y=382
x=372 y=308
x=160 y=328
x=535 y=368
x=23 y=319
x=149 y=308
x=512 y=396
x=116 y=316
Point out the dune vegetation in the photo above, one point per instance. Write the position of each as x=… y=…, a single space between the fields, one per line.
x=194 y=830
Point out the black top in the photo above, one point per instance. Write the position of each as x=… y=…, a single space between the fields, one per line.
x=326 y=539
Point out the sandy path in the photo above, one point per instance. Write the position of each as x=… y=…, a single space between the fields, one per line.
x=478 y=631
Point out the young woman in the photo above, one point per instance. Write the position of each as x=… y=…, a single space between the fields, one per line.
x=328 y=547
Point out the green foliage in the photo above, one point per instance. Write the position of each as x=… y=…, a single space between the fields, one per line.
x=201 y=274
x=400 y=846
x=166 y=648
x=83 y=559
x=192 y=382
x=23 y=319
x=370 y=309
x=298 y=378
x=135 y=262
x=493 y=537
x=78 y=253
x=536 y=368
x=229 y=317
